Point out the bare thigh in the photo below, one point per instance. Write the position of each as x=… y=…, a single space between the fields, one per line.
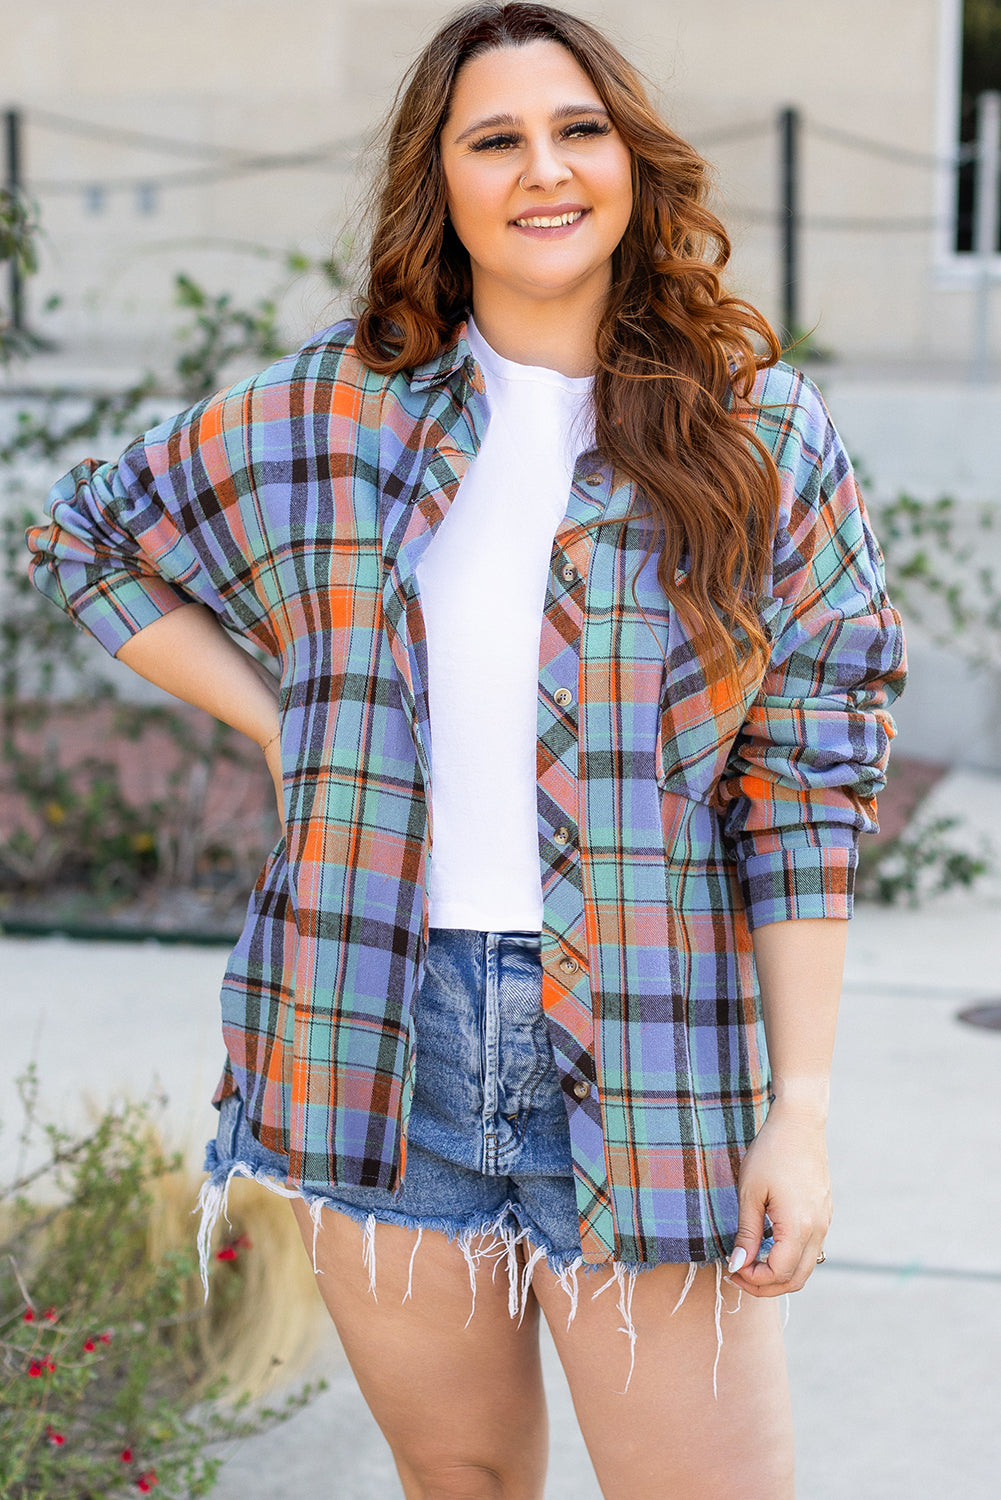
x=460 y=1400
x=668 y=1437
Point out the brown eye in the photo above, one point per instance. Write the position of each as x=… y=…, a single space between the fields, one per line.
x=583 y=128
x=494 y=143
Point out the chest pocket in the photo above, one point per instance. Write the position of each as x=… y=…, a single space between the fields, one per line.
x=698 y=722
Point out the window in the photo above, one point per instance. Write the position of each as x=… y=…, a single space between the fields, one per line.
x=980 y=70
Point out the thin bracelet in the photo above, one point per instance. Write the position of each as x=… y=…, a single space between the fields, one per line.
x=267 y=747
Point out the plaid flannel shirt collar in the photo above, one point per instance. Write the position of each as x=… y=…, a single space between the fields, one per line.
x=448 y=362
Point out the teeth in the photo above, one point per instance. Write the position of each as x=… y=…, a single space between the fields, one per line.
x=551 y=223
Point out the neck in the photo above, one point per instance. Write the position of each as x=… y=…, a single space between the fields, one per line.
x=557 y=333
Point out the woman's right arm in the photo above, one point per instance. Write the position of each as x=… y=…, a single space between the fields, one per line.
x=189 y=654
x=155 y=554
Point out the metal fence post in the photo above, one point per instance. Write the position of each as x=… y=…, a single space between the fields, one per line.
x=12 y=182
x=789 y=220
x=986 y=221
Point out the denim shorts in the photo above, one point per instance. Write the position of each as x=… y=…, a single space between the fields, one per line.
x=488 y=1145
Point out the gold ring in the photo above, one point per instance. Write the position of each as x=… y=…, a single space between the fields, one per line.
x=821 y=1258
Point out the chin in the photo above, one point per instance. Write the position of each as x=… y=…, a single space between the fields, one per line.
x=552 y=281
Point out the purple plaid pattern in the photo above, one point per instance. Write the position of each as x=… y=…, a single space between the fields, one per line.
x=297 y=505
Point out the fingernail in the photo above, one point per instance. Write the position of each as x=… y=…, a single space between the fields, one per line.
x=737 y=1259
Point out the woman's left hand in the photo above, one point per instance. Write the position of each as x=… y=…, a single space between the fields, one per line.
x=785 y=1175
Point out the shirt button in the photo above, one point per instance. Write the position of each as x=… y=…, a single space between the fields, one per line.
x=581 y=1089
x=593 y=479
x=568 y=573
x=561 y=836
x=568 y=965
x=563 y=696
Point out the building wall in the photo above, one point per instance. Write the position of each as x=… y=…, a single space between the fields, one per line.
x=250 y=77
x=245 y=77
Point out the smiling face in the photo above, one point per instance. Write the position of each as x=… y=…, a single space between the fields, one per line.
x=538 y=180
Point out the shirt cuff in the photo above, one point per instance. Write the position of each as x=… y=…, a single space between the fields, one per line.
x=792 y=873
x=122 y=604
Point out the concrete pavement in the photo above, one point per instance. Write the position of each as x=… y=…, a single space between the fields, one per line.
x=893 y=1346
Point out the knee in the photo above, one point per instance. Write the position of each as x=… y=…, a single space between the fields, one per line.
x=459 y=1481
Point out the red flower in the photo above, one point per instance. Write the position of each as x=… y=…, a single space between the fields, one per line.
x=50 y=1315
x=48 y=1363
x=29 y=1315
x=89 y=1346
x=55 y=1438
x=126 y=1455
x=146 y=1481
x=104 y=1338
x=229 y=1252
x=41 y=1366
x=34 y=1369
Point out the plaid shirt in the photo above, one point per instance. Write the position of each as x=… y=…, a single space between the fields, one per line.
x=297 y=506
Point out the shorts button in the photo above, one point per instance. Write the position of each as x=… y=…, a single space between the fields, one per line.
x=561 y=836
x=568 y=965
x=568 y=573
x=581 y=1089
x=563 y=696
x=593 y=479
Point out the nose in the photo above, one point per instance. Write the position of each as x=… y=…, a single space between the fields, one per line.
x=546 y=168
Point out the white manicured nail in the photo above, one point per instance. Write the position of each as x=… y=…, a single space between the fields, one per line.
x=737 y=1259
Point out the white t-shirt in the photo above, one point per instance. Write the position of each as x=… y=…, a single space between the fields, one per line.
x=482 y=585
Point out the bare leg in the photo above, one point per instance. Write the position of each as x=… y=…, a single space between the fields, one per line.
x=462 y=1408
x=668 y=1438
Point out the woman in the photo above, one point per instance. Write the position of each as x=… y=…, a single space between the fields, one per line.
x=545 y=553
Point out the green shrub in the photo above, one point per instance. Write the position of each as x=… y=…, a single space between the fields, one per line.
x=105 y=1384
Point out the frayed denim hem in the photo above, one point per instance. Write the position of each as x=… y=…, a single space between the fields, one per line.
x=494 y=1241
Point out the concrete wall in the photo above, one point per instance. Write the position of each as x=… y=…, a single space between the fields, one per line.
x=248 y=77
x=926 y=437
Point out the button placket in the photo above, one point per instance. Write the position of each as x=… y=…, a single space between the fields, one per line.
x=566 y=974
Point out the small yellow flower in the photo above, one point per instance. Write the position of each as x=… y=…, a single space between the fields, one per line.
x=142 y=843
x=55 y=813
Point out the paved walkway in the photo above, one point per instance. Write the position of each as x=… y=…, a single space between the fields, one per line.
x=894 y=1344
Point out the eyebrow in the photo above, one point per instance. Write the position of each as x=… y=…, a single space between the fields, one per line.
x=561 y=112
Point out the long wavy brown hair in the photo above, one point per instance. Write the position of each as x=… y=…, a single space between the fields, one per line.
x=676 y=355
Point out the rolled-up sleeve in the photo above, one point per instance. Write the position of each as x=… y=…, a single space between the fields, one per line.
x=166 y=525
x=801 y=782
